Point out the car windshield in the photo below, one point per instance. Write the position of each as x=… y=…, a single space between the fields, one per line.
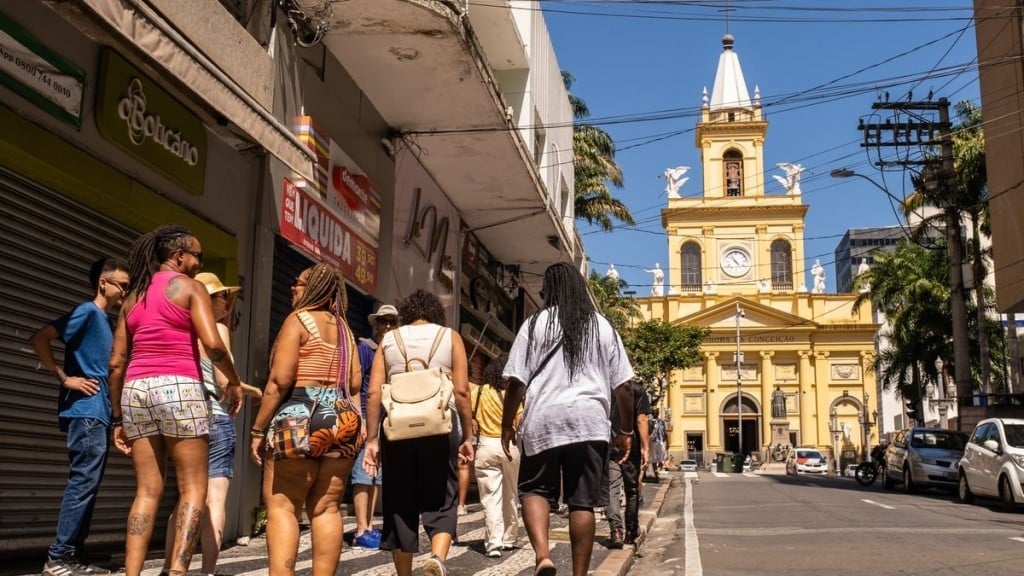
x=1014 y=435
x=942 y=439
x=688 y=462
x=809 y=454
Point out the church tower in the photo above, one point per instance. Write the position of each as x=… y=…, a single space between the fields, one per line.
x=803 y=375
x=735 y=237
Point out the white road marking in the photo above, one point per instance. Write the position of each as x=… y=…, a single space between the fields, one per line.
x=879 y=504
x=693 y=565
x=750 y=475
x=720 y=474
x=1018 y=539
x=522 y=559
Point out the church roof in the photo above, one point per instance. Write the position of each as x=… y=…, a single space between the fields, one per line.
x=730 y=89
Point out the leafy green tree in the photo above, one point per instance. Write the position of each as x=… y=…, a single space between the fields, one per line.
x=595 y=169
x=618 y=309
x=657 y=348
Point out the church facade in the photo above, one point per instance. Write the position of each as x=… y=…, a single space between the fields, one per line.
x=736 y=266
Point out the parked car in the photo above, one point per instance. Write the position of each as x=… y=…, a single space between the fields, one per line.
x=924 y=457
x=806 y=461
x=688 y=465
x=993 y=463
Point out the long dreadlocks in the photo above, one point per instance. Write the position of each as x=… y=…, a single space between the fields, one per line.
x=565 y=290
x=151 y=250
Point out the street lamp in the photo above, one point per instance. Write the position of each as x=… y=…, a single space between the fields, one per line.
x=867 y=423
x=847 y=173
x=739 y=384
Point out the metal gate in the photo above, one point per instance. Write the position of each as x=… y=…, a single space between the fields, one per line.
x=47 y=244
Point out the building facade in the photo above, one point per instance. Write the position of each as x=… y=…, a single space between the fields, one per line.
x=413 y=144
x=736 y=259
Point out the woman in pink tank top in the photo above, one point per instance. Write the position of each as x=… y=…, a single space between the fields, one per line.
x=159 y=406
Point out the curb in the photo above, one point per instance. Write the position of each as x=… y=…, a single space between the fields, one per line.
x=618 y=562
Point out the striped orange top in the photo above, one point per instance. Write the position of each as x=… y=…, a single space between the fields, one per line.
x=318 y=359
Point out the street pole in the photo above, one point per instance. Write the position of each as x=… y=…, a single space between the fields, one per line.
x=739 y=385
x=961 y=344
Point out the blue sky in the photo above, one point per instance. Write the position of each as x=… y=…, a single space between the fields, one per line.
x=660 y=59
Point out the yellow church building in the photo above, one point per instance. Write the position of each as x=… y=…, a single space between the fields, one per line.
x=736 y=266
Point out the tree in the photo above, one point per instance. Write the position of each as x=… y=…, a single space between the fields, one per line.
x=657 y=348
x=595 y=169
x=618 y=309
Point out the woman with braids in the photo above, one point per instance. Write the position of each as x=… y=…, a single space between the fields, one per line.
x=314 y=375
x=156 y=389
x=422 y=478
x=567 y=361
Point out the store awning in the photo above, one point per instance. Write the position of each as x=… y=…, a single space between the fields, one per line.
x=157 y=39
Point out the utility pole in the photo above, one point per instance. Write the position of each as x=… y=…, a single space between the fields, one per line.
x=739 y=386
x=940 y=184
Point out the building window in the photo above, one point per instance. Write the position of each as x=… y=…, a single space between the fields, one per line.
x=782 y=265
x=691 y=266
x=733 y=173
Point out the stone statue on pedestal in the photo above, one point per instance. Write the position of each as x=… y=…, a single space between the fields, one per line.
x=780 y=445
x=778 y=404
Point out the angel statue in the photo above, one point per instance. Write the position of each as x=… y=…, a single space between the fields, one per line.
x=612 y=272
x=674 y=180
x=818 y=271
x=792 y=180
x=657 y=280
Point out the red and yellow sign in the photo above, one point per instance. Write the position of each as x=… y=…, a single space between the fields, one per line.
x=315 y=228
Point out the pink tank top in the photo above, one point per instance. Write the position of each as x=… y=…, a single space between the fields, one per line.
x=163 y=339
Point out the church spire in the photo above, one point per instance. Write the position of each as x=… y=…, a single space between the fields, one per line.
x=730 y=89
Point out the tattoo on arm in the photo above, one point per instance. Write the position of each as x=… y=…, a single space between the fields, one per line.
x=139 y=524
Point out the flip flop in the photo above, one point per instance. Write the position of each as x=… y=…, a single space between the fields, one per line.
x=545 y=568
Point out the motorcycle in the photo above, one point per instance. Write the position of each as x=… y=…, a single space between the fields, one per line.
x=867 y=472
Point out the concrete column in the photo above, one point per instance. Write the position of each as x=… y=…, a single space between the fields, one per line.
x=822 y=398
x=808 y=434
x=767 y=379
x=674 y=393
x=712 y=377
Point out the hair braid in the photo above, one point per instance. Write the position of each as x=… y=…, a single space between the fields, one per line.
x=325 y=290
x=150 y=250
x=566 y=297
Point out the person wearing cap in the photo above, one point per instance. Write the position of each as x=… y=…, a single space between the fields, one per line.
x=222 y=428
x=365 y=486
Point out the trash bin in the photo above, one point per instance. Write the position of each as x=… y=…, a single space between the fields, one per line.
x=720 y=462
x=729 y=462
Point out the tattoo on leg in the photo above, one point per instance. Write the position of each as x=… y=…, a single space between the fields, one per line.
x=139 y=524
x=290 y=563
x=187 y=531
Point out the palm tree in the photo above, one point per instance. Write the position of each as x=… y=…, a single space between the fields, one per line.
x=618 y=309
x=595 y=169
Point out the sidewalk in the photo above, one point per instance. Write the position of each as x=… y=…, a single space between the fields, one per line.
x=248 y=556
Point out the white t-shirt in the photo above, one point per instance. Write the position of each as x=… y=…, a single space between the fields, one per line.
x=559 y=411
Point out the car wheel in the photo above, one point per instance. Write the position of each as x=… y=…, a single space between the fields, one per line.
x=963 y=490
x=908 y=481
x=1006 y=495
x=887 y=482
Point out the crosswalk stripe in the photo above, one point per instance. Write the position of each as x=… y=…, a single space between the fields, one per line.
x=523 y=559
x=418 y=561
x=720 y=474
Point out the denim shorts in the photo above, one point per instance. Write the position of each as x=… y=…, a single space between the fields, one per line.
x=222 y=446
x=359 y=476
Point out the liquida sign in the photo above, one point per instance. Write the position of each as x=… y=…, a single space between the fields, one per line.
x=140 y=118
x=314 y=227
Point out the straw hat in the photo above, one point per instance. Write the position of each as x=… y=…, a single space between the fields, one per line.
x=214 y=285
x=385 y=310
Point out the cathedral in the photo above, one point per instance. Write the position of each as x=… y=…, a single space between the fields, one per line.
x=736 y=265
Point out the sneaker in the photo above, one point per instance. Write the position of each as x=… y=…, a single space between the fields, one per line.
x=62 y=567
x=434 y=567
x=630 y=538
x=615 y=539
x=376 y=533
x=86 y=568
x=367 y=540
x=510 y=546
x=462 y=511
x=494 y=553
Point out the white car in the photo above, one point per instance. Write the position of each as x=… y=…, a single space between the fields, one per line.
x=993 y=463
x=806 y=461
x=688 y=465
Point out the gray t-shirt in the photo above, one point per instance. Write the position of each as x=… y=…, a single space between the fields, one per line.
x=559 y=411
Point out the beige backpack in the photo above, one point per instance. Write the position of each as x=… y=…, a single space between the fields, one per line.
x=417 y=401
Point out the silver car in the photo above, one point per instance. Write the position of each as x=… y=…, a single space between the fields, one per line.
x=924 y=457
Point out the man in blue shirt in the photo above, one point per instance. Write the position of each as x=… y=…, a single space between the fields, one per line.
x=83 y=410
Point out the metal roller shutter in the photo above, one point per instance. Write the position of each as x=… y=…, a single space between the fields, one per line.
x=47 y=244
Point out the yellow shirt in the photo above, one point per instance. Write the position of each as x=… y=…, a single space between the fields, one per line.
x=488 y=413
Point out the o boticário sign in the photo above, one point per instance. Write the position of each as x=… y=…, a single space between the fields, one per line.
x=139 y=117
x=39 y=75
x=312 y=226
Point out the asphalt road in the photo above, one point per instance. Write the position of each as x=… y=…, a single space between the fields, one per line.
x=767 y=525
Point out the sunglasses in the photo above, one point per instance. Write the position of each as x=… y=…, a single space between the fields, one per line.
x=388 y=321
x=198 y=255
x=122 y=286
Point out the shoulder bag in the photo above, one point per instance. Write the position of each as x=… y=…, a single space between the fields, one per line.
x=416 y=400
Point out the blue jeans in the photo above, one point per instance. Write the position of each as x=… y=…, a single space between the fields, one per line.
x=88 y=440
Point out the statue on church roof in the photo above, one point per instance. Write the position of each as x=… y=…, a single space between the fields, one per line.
x=674 y=180
x=818 y=271
x=657 y=280
x=863 y=269
x=791 y=182
x=612 y=272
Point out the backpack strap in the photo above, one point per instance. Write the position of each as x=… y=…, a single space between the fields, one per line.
x=401 y=346
x=436 y=344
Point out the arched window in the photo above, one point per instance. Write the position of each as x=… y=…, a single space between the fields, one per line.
x=733 y=162
x=782 y=265
x=691 y=266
